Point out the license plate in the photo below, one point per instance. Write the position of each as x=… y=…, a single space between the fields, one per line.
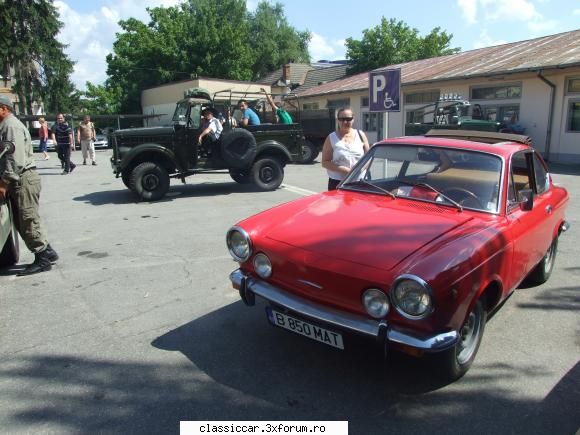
x=306 y=329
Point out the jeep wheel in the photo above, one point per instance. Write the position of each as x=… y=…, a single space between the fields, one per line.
x=267 y=173
x=309 y=152
x=242 y=177
x=149 y=181
x=10 y=252
x=126 y=177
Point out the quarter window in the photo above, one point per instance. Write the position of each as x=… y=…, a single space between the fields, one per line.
x=573 y=123
x=542 y=179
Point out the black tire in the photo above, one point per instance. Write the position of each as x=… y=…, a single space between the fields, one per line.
x=11 y=250
x=238 y=148
x=309 y=152
x=453 y=363
x=541 y=273
x=149 y=181
x=242 y=177
x=267 y=173
x=126 y=177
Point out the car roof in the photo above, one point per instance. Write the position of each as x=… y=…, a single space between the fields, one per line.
x=502 y=149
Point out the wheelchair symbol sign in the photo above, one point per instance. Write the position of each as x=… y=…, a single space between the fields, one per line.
x=385 y=90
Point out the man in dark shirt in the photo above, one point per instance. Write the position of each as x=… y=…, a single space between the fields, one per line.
x=63 y=136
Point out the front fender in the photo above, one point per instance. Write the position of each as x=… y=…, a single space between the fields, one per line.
x=142 y=153
x=272 y=146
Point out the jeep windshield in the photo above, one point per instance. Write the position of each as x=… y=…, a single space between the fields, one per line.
x=460 y=178
x=180 y=115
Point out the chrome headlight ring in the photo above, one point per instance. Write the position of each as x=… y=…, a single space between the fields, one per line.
x=239 y=244
x=412 y=297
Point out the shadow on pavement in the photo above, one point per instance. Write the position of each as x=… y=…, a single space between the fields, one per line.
x=241 y=369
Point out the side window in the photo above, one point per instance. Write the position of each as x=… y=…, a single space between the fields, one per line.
x=521 y=176
x=541 y=175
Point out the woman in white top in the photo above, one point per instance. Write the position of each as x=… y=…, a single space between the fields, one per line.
x=343 y=148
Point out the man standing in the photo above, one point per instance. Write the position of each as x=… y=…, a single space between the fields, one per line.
x=20 y=184
x=62 y=135
x=86 y=136
x=249 y=117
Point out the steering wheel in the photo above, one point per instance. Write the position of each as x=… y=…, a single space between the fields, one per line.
x=462 y=196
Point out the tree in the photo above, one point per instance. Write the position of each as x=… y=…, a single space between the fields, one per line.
x=394 y=42
x=30 y=49
x=274 y=42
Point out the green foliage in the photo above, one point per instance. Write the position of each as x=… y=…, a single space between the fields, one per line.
x=208 y=38
x=28 y=46
x=393 y=42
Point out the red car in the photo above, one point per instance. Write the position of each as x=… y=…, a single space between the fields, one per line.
x=420 y=243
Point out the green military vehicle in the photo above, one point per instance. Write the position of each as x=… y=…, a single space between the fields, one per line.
x=9 y=249
x=449 y=112
x=146 y=158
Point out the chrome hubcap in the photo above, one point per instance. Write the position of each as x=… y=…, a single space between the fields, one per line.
x=468 y=336
x=150 y=182
x=267 y=174
x=549 y=258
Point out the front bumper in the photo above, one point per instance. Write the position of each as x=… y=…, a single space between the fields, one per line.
x=249 y=287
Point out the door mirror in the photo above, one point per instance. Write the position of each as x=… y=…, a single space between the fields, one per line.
x=526 y=199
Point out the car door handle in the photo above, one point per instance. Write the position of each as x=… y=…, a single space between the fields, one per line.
x=549 y=209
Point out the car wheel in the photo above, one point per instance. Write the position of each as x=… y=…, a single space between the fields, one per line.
x=541 y=273
x=126 y=177
x=267 y=173
x=149 y=181
x=309 y=152
x=454 y=362
x=11 y=250
x=242 y=177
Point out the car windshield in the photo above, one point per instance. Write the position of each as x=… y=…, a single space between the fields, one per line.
x=453 y=177
x=180 y=112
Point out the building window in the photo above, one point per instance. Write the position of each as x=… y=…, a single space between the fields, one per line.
x=573 y=86
x=364 y=101
x=573 y=123
x=496 y=92
x=370 y=121
x=337 y=104
x=414 y=116
x=310 y=106
x=423 y=97
x=506 y=114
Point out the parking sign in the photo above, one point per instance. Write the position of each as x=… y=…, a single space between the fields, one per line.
x=385 y=90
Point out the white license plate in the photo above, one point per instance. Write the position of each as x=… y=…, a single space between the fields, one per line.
x=306 y=329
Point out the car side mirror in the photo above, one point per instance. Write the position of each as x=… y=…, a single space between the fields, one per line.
x=6 y=147
x=526 y=198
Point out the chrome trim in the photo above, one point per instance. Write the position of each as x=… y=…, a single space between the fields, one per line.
x=565 y=226
x=310 y=283
x=246 y=235
x=423 y=284
x=340 y=319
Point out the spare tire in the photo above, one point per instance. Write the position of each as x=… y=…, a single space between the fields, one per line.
x=238 y=148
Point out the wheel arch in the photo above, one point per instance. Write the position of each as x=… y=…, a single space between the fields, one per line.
x=273 y=149
x=150 y=153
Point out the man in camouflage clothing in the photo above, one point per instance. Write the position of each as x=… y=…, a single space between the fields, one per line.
x=20 y=184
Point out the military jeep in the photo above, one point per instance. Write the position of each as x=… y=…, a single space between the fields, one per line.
x=146 y=158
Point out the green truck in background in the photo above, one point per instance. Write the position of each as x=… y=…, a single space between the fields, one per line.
x=449 y=112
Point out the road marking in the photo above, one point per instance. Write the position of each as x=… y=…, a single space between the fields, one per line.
x=298 y=190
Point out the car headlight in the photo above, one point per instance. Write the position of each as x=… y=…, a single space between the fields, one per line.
x=262 y=265
x=376 y=303
x=239 y=244
x=412 y=297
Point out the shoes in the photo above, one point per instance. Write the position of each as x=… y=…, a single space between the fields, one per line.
x=41 y=264
x=47 y=157
x=94 y=163
x=65 y=172
x=85 y=162
x=73 y=166
x=51 y=254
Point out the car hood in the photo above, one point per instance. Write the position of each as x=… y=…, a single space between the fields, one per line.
x=369 y=229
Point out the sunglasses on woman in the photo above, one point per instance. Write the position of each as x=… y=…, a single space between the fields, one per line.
x=346 y=119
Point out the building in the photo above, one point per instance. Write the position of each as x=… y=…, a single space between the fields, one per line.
x=536 y=81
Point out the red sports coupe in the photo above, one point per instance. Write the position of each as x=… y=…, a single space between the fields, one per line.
x=424 y=238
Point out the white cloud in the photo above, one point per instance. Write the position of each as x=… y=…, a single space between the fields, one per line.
x=541 y=27
x=90 y=35
x=576 y=11
x=320 y=48
x=484 y=40
x=521 y=10
x=469 y=10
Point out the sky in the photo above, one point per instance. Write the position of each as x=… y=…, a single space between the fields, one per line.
x=90 y=25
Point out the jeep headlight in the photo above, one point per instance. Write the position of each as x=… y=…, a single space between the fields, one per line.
x=239 y=244
x=262 y=265
x=376 y=303
x=412 y=297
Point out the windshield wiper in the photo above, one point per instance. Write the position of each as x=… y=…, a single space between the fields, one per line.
x=391 y=194
x=428 y=186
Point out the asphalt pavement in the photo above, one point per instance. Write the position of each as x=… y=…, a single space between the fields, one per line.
x=137 y=327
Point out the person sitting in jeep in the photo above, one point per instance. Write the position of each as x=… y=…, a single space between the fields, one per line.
x=282 y=116
x=210 y=133
x=249 y=117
